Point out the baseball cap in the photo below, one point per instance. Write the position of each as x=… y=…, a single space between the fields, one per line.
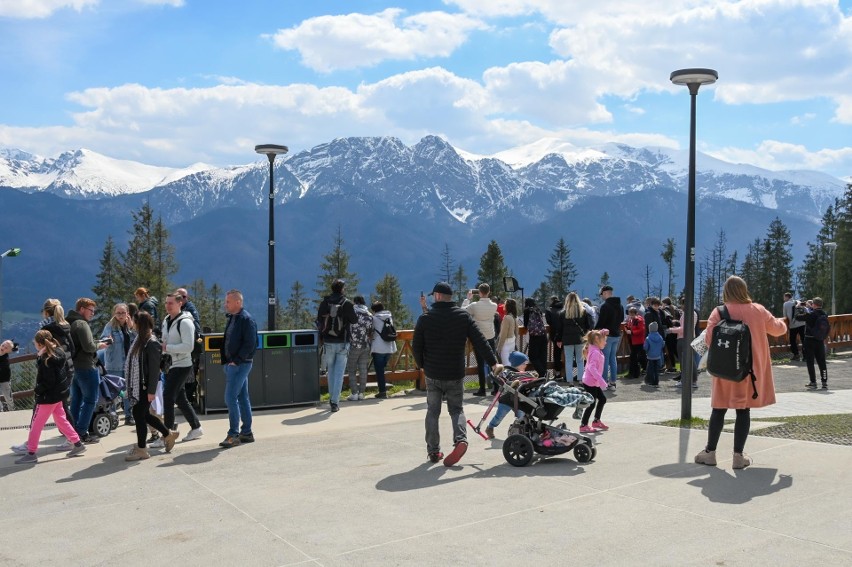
x=442 y=287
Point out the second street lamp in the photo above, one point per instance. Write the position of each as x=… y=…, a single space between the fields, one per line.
x=693 y=79
x=271 y=150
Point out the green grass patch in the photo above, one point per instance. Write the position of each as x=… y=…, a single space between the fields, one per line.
x=694 y=423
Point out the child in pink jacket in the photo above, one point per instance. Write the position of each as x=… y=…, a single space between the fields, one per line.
x=593 y=380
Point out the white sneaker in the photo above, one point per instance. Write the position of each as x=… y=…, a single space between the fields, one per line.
x=20 y=449
x=158 y=444
x=353 y=397
x=194 y=434
x=64 y=446
x=361 y=395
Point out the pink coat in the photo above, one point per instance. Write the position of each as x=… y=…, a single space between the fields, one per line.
x=737 y=395
x=593 y=373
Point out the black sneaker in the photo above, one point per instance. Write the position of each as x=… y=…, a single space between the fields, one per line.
x=247 y=438
x=382 y=395
x=436 y=457
x=154 y=436
x=825 y=385
x=479 y=393
x=811 y=386
x=334 y=407
x=91 y=439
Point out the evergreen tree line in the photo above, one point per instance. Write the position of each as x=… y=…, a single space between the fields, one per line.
x=767 y=266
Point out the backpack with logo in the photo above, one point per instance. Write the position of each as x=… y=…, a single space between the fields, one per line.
x=331 y=324
x=388 y=332
x=729 y=356
x=535 y=326
x=821 y=327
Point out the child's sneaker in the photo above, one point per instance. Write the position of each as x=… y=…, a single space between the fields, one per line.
x=586 y=429
x=20 y=449
x=456 y=454
x=489 y=432
x=599 y=425
x=28 y=459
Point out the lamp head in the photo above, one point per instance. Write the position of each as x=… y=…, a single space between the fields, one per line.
x=271 y=149
x=12 y=252
x=694 y=77
x=831 y=246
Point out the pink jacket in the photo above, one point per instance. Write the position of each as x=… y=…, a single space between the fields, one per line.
x=737 y=395
x=593 y=374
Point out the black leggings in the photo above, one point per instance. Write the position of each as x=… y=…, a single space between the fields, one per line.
x=144 y=417
x=597 y=405
x=741 y=428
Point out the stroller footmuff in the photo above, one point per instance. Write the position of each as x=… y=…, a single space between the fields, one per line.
x=105 y=417
x=541 y=403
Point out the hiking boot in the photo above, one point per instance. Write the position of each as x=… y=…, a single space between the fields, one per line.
x=599 y=425
x=741 y=461
x=586 y=429
x=193 y=434
x=168 y=442
x=435 y=457
x=28 y=459
x=489 y=432
x=76 y=450
x=230 y=441
x=706 y=458
x=456 y=454
x=811 y=385
x=136 y=454
x=64 y=446
x=246 y=437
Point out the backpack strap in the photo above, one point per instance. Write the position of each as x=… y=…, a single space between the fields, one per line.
x=723 y=312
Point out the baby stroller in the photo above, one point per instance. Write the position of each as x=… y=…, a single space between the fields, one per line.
x=543 y=401
x=105 y=417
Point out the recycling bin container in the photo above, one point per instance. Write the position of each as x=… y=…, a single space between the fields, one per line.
x=212 y=375
x=277 y=370
x=304 y=360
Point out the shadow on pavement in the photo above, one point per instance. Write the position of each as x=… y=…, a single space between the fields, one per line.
x=320 y=415
x=741 y=486
x=195 y=458
x=109 y=465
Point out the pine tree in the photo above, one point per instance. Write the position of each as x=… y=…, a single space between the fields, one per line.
x=492 y=267
x=459 y=284
x=216 y=317
x=335 y=265
x=542 y=295
x=843 y=256
x=163 y=259
x=814 y=275
x=389 y=293
x=562 y=272
x=778 y=266
x=297 y=313
x=447 y=267
x=149 y=259
x=648 y=273
x=668 y=256
x=604 y=280
x=108 y=289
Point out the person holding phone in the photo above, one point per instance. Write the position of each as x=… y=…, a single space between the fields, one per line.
x=117 y=337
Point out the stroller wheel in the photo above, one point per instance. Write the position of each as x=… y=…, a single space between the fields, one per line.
x=518 y=450
x=594 y=452
x=583 y=453
x=113 y=421
x=101 y=425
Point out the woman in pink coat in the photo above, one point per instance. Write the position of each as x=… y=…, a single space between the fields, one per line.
x=726 y=394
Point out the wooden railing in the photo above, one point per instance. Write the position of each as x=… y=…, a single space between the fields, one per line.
x=402 y=367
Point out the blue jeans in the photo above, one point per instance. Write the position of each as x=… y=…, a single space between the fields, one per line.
x=237 y=398
x=436 y=391
x=610 y=353
x=653 y=375
x=334 y=357
x=572 y=353
x=380 y=360
x=502 y=411
x=84 y=398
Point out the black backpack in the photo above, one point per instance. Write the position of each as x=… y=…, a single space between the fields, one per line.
x=729 y=356
x=388 y=332
x=821 y=327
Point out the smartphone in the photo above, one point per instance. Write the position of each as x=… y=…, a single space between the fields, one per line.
x=107 y=340
x=422 y=294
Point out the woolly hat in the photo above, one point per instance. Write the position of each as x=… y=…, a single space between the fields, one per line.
x=517 y=358
x=652 y=328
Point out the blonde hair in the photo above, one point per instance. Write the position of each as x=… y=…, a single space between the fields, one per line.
x=572 y=306
x=45 y=339
x=591 y=338
x=53 y=308
x=113 y=322
x=735 y=291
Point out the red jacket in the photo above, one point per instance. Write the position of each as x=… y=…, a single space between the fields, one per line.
x=637 y=330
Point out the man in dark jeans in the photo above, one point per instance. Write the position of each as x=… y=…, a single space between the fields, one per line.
x=237 y=352
x=440 y=337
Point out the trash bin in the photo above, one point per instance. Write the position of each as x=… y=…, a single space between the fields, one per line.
x=304 y=355
x=212 y=375
x=277 y=371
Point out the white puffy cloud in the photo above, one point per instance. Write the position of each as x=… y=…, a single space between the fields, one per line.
x=31 y=9
x=350 y=41
x=775 y=155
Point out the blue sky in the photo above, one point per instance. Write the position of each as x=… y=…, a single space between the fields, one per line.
x=174 y=82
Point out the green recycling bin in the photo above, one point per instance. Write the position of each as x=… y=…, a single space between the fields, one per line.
x=277 y=371
x=305 y=364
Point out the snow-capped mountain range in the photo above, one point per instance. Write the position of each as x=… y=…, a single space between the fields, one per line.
x=431 y=177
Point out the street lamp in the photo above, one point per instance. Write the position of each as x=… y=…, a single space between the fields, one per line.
x=693 y=79
x=11 y=252
x=833 y=247
x=271 y=150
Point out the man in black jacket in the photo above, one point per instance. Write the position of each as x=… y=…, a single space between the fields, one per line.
x=611 y=316
x=237 y=353
x=814 y=345
x=440 y=337
x=334 y=316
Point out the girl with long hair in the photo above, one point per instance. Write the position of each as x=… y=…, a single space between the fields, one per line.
x=593 y=380
x=574 y=322
x=508 y=339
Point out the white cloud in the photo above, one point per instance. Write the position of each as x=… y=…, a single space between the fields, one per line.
x=327 y=43
x=775 y=155
x=803 y=119
x=32 y=9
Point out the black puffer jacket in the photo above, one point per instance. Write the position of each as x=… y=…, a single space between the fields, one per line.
x=611 y=316
x=440 y=336
x=52 y=380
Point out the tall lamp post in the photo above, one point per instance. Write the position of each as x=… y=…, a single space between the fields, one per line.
x=11 y=252
x=693 y=79
x=271 y=150
x=833 y=247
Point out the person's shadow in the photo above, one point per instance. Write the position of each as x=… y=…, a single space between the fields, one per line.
x=741 y=486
